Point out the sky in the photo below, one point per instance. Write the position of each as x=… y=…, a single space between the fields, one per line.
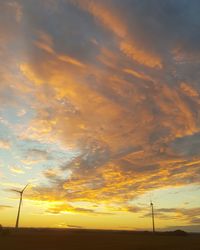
x=99 y=113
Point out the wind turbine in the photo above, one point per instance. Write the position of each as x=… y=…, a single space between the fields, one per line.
x=20 y=203
x=152 y=215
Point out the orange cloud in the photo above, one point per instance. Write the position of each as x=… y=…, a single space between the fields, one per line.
x=66 y=208
x=138 y=74
x=151 y=114
x=189 y=90
x=5 y=144
x=45 y=43
x=140 y=56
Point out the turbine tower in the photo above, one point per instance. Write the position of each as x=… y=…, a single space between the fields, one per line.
x=20 y=203
x=152 y=214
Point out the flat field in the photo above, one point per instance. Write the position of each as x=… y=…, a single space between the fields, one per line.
x=96 y=240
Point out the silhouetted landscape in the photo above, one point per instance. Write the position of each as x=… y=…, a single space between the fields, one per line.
x=74 y=239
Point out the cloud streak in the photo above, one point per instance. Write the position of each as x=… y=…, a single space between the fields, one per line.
x=188 y=215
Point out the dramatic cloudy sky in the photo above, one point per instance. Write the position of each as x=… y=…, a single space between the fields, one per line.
x=100 y=112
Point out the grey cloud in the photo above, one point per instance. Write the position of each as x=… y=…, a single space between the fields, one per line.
x=135 y=209
x=66 y=25
x=188 y=145
x=163 y=25
x=189 y=215
x=36 y=155
x=195 y=221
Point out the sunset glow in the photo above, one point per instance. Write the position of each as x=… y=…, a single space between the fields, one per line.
x=100 y=113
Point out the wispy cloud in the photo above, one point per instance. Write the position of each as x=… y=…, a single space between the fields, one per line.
x=5 y=144
x=66 y=208
x=188 y=215
x=16 y=170
x=4 y=207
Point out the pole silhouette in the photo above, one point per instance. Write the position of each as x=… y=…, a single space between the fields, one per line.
x=152 y=215
x=20 y=203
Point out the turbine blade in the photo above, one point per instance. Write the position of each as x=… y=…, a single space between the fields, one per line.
x=14 y=190
x=24 y=188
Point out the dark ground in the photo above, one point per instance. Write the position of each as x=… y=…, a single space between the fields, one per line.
x=96 y=240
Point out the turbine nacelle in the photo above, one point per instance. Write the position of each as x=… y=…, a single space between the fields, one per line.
x=18 y=191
